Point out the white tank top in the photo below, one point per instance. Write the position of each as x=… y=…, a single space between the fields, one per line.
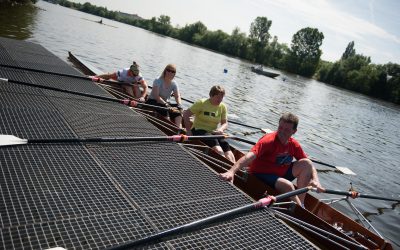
x=122 y=76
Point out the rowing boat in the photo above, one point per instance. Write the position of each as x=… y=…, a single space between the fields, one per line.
x=316 y=213
x=264 y=72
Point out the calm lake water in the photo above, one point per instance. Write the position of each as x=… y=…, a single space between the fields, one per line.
x=336 y=126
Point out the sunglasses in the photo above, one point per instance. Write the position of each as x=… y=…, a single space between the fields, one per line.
x=171 y=71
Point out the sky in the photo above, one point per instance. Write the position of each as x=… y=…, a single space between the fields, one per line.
x=374 y=26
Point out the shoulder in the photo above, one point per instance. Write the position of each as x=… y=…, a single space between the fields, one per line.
x=139 y=77
x=268 y=138
x=222 y=107
x=198 y=103
x=294 y=142
x=157 y=81
x=202 y=101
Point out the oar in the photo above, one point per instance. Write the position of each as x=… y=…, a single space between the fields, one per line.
x=89 y=78
x=158 y=237
x=343 y=170
x=9 y=140
x=131 y=103
x=354 y=195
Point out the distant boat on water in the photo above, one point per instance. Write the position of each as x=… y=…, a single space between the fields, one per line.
x=261 y=71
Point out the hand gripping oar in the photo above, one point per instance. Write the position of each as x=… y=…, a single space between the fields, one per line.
x=158 y=237
x=127 y=102
x=354 y=194
x=343 y=170
x=9 y=140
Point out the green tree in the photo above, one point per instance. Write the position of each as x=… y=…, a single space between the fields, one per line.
x=259 y=30
x=211 y=39
x=305 y=51
x=350 y=51
x=236 y=44
x=164 y=20
x=188 y=32
x=259 y=37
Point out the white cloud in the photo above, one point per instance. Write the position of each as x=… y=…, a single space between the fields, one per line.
x=324 y=16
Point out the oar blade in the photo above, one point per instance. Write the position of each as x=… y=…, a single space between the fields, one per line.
x=345 y=170
x=8 y=140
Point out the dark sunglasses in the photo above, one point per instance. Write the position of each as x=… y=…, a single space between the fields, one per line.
x=171 y=71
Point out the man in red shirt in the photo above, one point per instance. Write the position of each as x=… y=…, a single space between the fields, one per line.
x=271 y=160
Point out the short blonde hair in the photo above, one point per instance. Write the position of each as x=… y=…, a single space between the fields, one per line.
x=216 y=90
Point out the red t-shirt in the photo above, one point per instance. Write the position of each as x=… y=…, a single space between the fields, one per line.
x=272 y=157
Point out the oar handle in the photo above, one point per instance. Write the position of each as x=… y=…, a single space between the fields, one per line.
x=293 y=193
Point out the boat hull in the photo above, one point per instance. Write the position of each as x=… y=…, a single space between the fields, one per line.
x=263 y=72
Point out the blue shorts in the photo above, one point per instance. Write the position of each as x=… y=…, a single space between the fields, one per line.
x=270 y=179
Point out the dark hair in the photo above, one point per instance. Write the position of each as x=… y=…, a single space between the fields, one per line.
x=290 y=118
x=216 y=90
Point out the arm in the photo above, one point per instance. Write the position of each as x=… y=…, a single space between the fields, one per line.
x=156 y=93
x=241 y=163
x=186 y=121
x=222 y=128
x=143 y=83
x=315 y=180
x=108 y=76
x=177 y=96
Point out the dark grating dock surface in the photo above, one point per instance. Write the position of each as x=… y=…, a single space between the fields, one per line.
x=92 y=196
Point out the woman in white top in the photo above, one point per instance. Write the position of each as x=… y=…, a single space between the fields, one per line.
x=163 y=87
x=130 y=79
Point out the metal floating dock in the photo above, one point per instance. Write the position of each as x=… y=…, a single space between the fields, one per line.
x=93 y=196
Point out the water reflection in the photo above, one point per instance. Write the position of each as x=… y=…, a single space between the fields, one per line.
x=17 y=21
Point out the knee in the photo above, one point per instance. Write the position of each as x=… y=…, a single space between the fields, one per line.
x=307 y=163
x=219 y=150
x=284 y=185
x=303 y=166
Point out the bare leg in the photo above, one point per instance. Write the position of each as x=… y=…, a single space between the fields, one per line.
x=229 y=155
x=304 y=171
x=218 y=149
x=283 y=186
x=136 y=91
x=128 y=90
x=178 y=121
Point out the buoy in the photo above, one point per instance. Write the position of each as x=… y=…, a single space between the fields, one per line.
x=225 y=71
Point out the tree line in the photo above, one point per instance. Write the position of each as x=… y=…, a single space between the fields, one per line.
x=353 y=71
